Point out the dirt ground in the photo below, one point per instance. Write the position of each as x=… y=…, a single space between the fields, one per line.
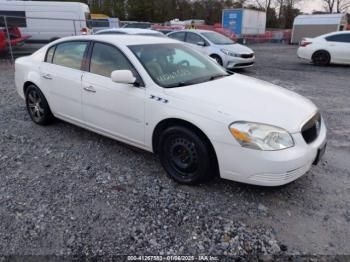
x=65 y=190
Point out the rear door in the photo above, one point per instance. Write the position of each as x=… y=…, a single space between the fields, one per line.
x=113 y=108
x=61 y=75
x=339 y=46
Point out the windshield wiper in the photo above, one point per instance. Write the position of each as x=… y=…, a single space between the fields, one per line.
x=179 y=84
x=216 y=76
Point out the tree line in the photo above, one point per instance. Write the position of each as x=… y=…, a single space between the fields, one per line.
x=280 y=13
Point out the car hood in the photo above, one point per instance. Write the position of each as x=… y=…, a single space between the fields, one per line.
x=242 y=98
x=237 y=48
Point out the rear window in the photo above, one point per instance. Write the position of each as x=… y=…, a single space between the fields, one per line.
x=70 y=54
x=138 y=25
x=110 y=33
x=178 y=36
x=343 y=38
x=100 y=23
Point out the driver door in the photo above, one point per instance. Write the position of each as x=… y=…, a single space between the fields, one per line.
x=113 y=108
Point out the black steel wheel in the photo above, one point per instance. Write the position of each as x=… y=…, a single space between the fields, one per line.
x=37 y=106
x=321 y=58
x=186 y=157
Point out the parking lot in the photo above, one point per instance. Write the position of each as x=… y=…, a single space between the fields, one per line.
x=65 y=190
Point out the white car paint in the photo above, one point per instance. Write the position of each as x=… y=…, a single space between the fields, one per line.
x=339 y=51
x=126 y=113
x=210 y=49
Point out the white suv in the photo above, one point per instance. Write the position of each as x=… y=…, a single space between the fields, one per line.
x=226 y=52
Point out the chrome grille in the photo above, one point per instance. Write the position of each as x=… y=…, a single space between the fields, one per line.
x=247 y=55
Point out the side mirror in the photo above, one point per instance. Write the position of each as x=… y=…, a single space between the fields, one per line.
x=123 y=77
x=201 y=43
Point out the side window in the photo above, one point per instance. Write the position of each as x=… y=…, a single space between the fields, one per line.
x=14 y=18
x=343 y=38
x=178 y=36
x=193 y=38
x=49 y=54
x=105 y=59
x=70 y=54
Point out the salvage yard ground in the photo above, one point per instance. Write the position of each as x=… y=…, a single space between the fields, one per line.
x=65 y=190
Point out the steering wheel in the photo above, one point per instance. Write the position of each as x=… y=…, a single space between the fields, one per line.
x=184 y=63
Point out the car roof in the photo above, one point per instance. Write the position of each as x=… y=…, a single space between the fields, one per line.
x=123 y=39
x=130 y=30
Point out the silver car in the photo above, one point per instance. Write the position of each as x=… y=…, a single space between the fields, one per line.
x=225 y=51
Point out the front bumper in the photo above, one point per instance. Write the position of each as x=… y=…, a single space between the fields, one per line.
x=268 y=168
x=237 y=62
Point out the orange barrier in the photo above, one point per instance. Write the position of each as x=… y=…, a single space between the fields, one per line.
x=283 y=36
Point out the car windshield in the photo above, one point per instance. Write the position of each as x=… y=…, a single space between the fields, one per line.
x=217 y=38
x=175 y=65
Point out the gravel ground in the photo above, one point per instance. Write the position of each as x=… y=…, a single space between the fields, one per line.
x=65 y=190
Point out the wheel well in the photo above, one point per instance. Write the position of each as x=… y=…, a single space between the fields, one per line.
x=26 y=85
x=318 y=51
x=164 y=124
x=212 y=55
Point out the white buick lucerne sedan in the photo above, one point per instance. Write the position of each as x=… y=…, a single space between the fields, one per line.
x=159 y=95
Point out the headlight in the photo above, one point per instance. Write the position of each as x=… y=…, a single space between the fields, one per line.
x=260 y=136
x=229 y=53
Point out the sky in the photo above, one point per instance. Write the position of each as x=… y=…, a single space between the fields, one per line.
x=308 y=6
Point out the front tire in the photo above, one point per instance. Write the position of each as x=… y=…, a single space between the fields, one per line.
x=186 y=157
x=37 y=106
x=321 y=58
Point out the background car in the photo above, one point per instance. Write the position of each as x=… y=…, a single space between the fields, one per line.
x=134 y=24
x=129 y=31
x=165 y=31
x=332 y=48
x=225 y=51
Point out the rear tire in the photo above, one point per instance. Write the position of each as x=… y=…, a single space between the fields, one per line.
x=186 y=157
x=321 y=58
x=37 y=106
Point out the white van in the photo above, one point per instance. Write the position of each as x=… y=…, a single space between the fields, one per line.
x=47 y=21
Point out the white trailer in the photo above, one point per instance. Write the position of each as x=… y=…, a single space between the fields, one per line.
x=47 y=21
x=244 y=21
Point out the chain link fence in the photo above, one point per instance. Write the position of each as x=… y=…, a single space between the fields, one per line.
x=21 y=35
x=24 y=35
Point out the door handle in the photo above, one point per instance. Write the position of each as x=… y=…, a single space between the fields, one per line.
x=90 y=89
x=47 y=76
